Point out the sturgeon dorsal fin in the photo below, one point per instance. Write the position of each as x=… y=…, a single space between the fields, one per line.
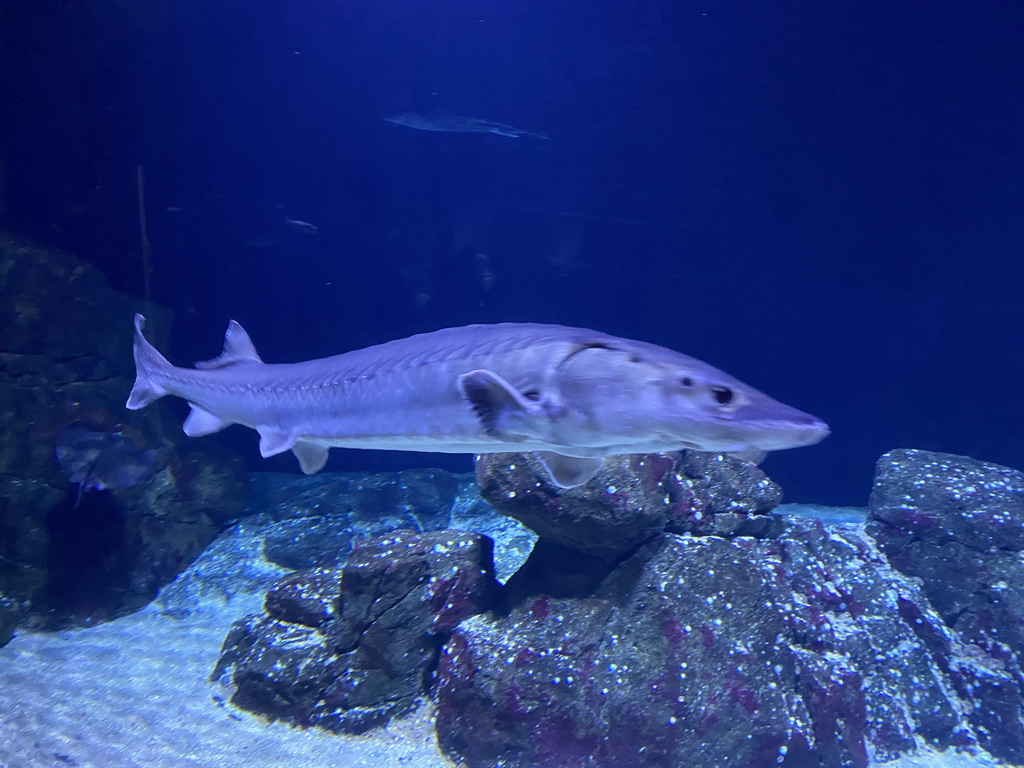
x=238 y=348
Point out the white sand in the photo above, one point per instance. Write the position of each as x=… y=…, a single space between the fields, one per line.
x=133 y=693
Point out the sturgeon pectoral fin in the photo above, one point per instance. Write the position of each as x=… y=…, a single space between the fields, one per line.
x=200 y=422
x=311 y=456
x=274 y=441
x=568 y=471
x=501 y=410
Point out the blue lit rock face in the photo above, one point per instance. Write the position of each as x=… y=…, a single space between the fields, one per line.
x=347 y=649
x=802 y=647
x=313 y=521
x=958 y=525
x=632 y=499
x=66 y=362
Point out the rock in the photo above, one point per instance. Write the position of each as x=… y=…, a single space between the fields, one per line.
x=727 y=496
x=347 y=650
x=632 y=499
x=319 y=517
x=939 y=497
x=802 y=650
x=308 y=597
x=648 y=665
x=612 y=515
x=66 y=361
x=957 y=524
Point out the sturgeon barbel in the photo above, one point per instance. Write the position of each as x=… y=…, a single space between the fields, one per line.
x=570 y=395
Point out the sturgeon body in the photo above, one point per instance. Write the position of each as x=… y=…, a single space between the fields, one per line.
x=570 y=395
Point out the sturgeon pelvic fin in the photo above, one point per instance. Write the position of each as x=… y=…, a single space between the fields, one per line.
x=199 y=423
x=499 y=407
x=312 y=457
x=568 y=471
x=274 y=441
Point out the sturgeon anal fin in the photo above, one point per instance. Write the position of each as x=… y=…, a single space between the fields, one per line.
x=238 y=348
x=200 y=422
x=568 y=471
x=274 y=441
x=499 y=407
x=311 y=456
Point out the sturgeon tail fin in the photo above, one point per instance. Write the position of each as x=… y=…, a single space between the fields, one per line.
x=147 y=362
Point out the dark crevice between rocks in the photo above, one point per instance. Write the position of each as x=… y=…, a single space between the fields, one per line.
x=88 y=563
x=555 y=571
x=436 y=642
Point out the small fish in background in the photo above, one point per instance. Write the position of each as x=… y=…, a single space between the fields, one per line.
x=483 y=264
x=257 y=242
x=446 y=122
x=302 y=227
x=95 y=460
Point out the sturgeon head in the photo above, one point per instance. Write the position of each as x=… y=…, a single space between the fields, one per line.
x=616 y=396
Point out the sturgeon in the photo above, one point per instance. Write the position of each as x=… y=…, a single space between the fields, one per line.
x=571 y=396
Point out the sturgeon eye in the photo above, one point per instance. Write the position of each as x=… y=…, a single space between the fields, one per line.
x=686 y=382
x=722 y=395
x=532 y=394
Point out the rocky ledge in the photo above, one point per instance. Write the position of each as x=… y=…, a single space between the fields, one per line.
x=713 y=633
x=70 y=554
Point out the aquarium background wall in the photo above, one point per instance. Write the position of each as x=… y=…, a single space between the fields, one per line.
x=824 y=199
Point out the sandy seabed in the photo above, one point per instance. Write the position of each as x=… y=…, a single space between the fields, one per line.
x=134 y=693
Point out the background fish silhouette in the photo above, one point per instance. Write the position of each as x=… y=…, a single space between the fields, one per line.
x=100 y=461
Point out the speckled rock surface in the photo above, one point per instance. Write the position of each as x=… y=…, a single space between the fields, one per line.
x=726 y=496
x=645 y=669
x=348 y=649
x=632 y=499
x=958 y=525
x=807 y=649
x=65 y=360
x=314 y=521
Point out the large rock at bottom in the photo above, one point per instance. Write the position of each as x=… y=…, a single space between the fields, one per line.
x=958 y=525
x=632 y=499
x=636 y=674
x=66 y=362
x=348 y=649
x=800 y=651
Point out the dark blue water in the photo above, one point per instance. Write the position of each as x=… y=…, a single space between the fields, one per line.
x=824 y=200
